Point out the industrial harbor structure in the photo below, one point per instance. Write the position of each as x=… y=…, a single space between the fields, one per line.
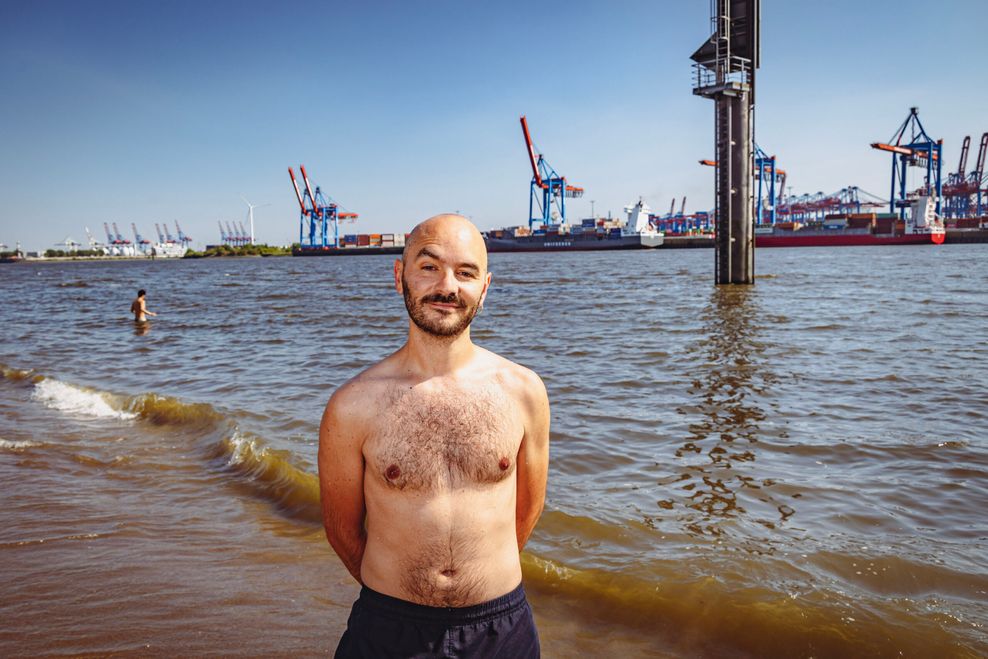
x=752 y=207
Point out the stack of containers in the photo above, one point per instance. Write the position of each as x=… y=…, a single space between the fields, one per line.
x=363 y=240
x=350 y=240
x=883 y=224
x=387 y=240
x=375 y=240
x=861 y=220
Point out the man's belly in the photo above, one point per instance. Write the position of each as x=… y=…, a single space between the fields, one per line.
x=455 y=549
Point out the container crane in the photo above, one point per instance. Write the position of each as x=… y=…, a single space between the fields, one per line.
x=771 y=185
x=768 y=176
x=910 y=146
x=224 y=238
x=978 y=178
x=963 y=193
x=137 y=236
x=120 y=239
x=232 y=235
x=548 y=188
x=110 y=239
x=161 y=236
x=182 y=238
x=316 y=212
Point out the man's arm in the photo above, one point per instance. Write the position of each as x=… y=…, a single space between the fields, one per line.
x=533 y=458
x=341 y=479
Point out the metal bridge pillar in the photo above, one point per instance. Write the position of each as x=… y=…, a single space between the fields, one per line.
x=735 y=241
x=725 y=73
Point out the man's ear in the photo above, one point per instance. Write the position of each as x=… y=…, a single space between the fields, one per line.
x=487 y=285
x=399 y=268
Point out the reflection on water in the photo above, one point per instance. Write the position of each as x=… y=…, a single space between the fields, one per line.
x=141 y=327
x=730 y=379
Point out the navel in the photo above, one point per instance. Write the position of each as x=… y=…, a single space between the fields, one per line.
x=504 y=464
x=392 y=472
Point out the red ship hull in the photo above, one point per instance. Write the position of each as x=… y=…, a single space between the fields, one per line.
x=846 y=240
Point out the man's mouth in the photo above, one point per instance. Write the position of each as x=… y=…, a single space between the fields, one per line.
x=442 y=302
x=450 y=306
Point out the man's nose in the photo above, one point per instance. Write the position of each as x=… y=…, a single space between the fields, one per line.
x=448 y=282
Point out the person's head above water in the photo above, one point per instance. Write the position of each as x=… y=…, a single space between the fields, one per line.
x=141 y=293
x=442 y=275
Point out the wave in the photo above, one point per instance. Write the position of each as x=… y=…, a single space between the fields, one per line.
x=19 y=375
x=16 y=445
x=168 y=411
x=716 y=613
x=275 y=475
x=63 y=397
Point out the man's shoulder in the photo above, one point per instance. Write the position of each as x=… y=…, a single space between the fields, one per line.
x=518 y=380
x=359 y=395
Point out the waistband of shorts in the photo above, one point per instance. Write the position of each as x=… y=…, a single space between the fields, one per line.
x=450 y=615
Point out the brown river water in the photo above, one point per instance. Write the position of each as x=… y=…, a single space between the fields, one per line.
x=794 y=469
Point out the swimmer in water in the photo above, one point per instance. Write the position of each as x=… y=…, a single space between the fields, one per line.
x=139 y=309
x=432 y=470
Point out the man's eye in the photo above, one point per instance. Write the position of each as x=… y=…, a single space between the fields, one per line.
x=464 y=273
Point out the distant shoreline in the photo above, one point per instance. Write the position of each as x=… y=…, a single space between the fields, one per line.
x=63 y=259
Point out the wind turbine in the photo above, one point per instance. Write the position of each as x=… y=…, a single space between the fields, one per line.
x=250 y=215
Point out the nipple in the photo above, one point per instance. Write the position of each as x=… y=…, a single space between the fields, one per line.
x=392 y=472
x=504 y=464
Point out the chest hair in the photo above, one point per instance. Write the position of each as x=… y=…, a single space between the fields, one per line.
x=435 y=439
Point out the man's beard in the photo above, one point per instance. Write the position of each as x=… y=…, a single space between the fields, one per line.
x=445 y=327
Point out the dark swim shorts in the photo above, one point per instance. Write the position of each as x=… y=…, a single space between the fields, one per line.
x=382 y=627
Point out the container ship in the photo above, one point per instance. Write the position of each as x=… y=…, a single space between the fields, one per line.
x=355 y=244
x=590 y=234
x=921 y=226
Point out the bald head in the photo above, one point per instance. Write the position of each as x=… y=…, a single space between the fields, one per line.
x=447 y=229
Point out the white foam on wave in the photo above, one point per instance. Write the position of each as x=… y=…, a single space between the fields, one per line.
x=243 y=447
x=11 y=445
x=67 y=398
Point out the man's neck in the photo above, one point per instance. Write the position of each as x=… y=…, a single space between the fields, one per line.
x=430 y=356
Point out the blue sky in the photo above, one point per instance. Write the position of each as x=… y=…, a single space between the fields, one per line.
x=149 y=112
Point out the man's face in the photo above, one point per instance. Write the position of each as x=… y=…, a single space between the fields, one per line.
x=444 y=281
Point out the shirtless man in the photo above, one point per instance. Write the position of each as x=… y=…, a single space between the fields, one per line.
x=138 y=308
x=432 y=470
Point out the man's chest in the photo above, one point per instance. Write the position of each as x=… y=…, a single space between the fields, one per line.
x=436 y=440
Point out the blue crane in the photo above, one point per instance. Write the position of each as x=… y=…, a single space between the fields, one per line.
x=548 y=188
x=316 y=212
x=910 y=146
